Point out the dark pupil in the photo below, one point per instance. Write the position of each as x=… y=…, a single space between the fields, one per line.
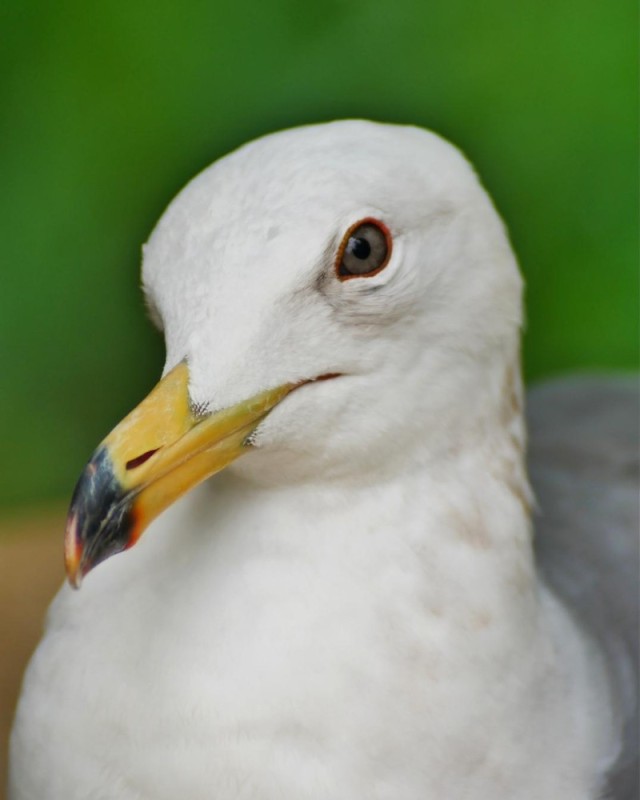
x=360 y=248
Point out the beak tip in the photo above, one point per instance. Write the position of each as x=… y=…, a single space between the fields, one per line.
x=75 y=582
x=73 y=552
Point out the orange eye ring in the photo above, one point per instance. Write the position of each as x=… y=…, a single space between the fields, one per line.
x=377 y=246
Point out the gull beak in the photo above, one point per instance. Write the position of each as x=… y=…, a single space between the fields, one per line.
x=156 y=454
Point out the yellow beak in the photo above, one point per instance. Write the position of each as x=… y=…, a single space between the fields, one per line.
x=156 y=454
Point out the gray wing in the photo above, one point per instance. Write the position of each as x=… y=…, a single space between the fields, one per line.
x=583 y=461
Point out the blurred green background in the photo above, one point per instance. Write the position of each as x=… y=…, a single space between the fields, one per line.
x=106 y=109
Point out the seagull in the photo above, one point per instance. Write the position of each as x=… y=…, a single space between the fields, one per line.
x=358 y=606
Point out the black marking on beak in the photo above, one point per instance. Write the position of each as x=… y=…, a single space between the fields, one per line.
x=100 y=516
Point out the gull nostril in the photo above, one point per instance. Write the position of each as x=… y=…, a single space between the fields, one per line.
x=138 y=460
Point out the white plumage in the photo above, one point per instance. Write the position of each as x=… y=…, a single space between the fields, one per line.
x=352 y=610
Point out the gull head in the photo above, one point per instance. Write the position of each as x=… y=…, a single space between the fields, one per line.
x=339 y=301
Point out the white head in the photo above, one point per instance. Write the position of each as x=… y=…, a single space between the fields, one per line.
x=241 y=272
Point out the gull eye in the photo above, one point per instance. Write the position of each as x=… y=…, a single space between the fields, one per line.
x=364 y=251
